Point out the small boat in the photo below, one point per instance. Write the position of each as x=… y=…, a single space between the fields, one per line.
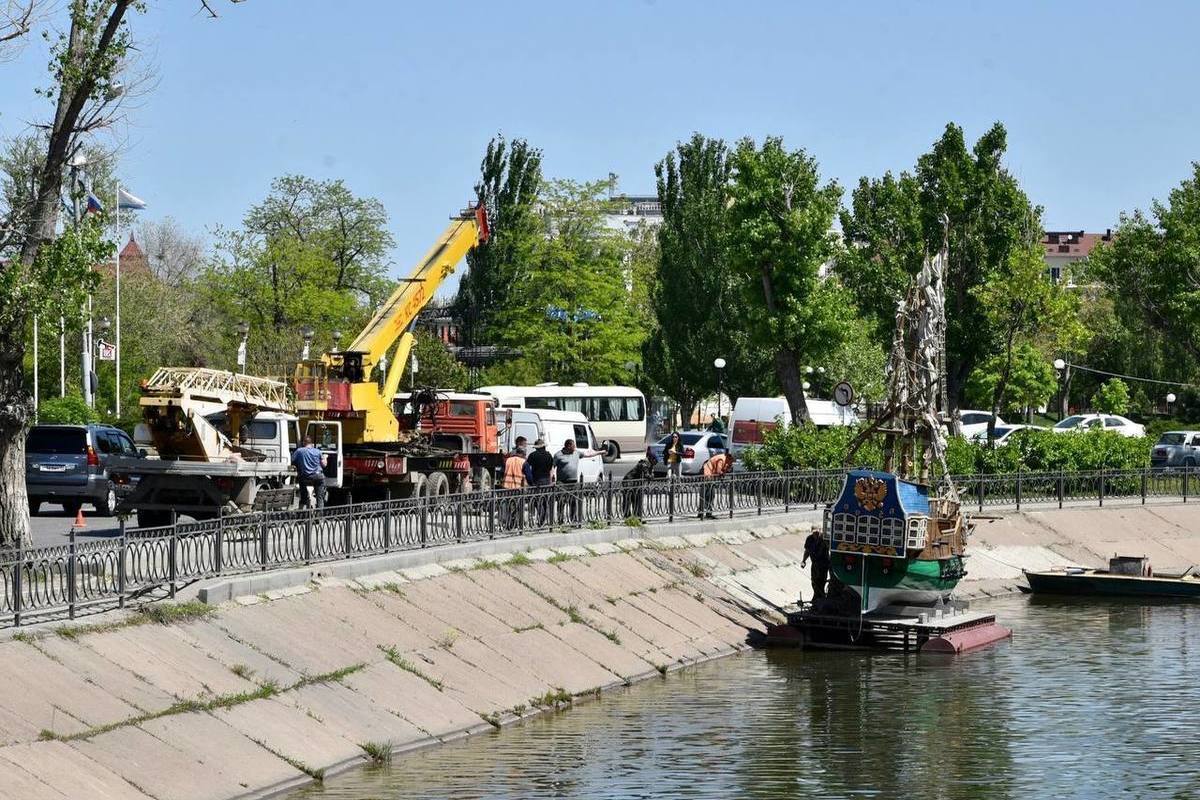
x=1126 y=576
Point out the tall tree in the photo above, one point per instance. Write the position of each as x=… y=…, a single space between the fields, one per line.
x=509 y=186
x=1151 y=269
x=36 y=267
x=312 y=253
x=572 y=316
x=1021 y=306
x=885 y=246
x=781 y=231
x=893 y=222
x=693 y=293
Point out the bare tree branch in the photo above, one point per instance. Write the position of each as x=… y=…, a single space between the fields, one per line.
x=16 y=19
x=204 y=6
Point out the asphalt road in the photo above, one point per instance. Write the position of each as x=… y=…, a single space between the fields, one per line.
x=52 y=525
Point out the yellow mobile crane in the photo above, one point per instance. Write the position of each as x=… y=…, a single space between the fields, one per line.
x=339 y=400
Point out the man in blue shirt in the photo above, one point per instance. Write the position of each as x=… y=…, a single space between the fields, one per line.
x=310 y=468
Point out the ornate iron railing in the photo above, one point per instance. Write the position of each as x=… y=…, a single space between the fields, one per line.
x=151 y=562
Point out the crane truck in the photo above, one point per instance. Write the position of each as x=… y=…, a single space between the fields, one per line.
x=346 y=398
x=224 y=444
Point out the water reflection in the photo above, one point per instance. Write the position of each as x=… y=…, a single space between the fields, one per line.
x=1088 y=700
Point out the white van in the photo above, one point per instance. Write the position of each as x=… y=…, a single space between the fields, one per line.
x=754 y=416
x=555 y=427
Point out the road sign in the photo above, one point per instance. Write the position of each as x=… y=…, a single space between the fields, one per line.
x=843 y=394
x=106 y=351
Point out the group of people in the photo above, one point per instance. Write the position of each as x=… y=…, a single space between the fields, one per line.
x=541 y=469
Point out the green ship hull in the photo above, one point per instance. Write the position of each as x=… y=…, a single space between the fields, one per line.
x=897 y=581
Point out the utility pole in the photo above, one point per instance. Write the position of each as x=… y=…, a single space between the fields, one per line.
x=85 y=356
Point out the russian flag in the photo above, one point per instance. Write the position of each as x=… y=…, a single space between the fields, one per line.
x=93 y=204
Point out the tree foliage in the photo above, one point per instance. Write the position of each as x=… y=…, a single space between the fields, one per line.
x=1031 y=381
x=312 y=253
x=1112 y=397
x=509 y=187
x=571 y=314
x=436 y=366
x=781 y=235
x=1151 y=268
x=67 y=410
x=694 y=295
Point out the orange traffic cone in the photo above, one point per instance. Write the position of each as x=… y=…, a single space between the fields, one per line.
x=79 y=521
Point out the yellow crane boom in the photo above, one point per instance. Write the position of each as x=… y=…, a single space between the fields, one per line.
x=338 y=385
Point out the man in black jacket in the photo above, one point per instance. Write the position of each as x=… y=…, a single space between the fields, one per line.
x=541 y=467
x=817 y=549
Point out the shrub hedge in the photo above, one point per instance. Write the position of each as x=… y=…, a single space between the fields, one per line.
x=808 y=447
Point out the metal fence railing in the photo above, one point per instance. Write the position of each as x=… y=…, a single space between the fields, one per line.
x=154 y=562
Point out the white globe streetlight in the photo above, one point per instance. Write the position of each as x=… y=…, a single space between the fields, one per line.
x=1059 y=364
x=1170 y=397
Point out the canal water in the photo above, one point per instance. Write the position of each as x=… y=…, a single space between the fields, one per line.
x=1089 y=699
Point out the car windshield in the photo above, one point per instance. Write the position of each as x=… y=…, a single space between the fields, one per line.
x=1172 y=438
x=684 y=438
x=1070 y=422
x=71 y=441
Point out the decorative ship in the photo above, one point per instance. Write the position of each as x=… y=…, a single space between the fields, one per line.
x=897 y=538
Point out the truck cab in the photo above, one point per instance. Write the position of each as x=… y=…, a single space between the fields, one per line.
x=456 y=421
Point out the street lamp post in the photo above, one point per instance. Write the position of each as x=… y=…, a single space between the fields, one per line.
x=104 y=324
x=243 y=329
x=1170 y=400
x=1060 y=367
x=719 y=363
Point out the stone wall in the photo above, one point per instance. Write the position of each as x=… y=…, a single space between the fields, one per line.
x=327 y=670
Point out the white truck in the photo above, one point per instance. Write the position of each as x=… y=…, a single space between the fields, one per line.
x=224 y=444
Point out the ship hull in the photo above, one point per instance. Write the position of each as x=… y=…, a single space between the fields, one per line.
x=898 y=581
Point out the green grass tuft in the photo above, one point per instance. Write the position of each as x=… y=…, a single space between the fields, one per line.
x=697 y=569
x=518 y=560
x=171 y=613
x=393 y=655
x=634 y=522
x=574 y=615
x=559 y=558
x=552 y=699
x=537 y=626
x=380 y=753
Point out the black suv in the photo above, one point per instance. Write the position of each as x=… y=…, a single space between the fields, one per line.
x=68 y=464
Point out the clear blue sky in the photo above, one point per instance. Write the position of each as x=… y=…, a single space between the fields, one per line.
x=400 y=99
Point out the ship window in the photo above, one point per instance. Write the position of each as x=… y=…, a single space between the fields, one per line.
x=893 y=532
x=843 y=527
x=916 y=533
x=868 y=529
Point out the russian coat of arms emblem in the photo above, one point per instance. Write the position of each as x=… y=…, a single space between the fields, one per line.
x=870 y=493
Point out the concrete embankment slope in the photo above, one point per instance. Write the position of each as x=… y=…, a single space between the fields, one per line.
x=266 y=692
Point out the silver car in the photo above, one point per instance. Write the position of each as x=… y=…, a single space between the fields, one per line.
x=698 y=448
x=68 y=464
x=1176 y=449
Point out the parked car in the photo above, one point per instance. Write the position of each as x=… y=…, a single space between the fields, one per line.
x=1176 y=449
x=1093 y=422
x=698 y=448
x=752 y=417
x=1004 y=433
x=68 y=464
x=974 y=422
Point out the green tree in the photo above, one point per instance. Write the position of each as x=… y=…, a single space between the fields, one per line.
x=781 y=235
x=67 y=410
x=893 y=222
x=1031 y=381
x=1151 y=268
x=571 y=315
x=859 y=360
x=509 y=186
x=885 y=246
x=694 y=295
x=1021 y=305
x=436 y=366
x=312 y=253
x=1112 y=397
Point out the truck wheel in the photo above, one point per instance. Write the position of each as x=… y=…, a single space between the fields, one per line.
x=105 y=505
x=416 y=486
x=153 y=518
x=483 y=481
x=612 y=451
x=438 y=485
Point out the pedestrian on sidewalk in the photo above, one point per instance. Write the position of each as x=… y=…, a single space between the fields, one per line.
x=673 y=455
x=540 y=475
x=817 y=549
x=566 y=467
x=714 y=469
x=514 y=483
x=310 y=471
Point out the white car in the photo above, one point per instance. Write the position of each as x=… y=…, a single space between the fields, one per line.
x=1095 y=422
x=1004 y=433
x=975 y=422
